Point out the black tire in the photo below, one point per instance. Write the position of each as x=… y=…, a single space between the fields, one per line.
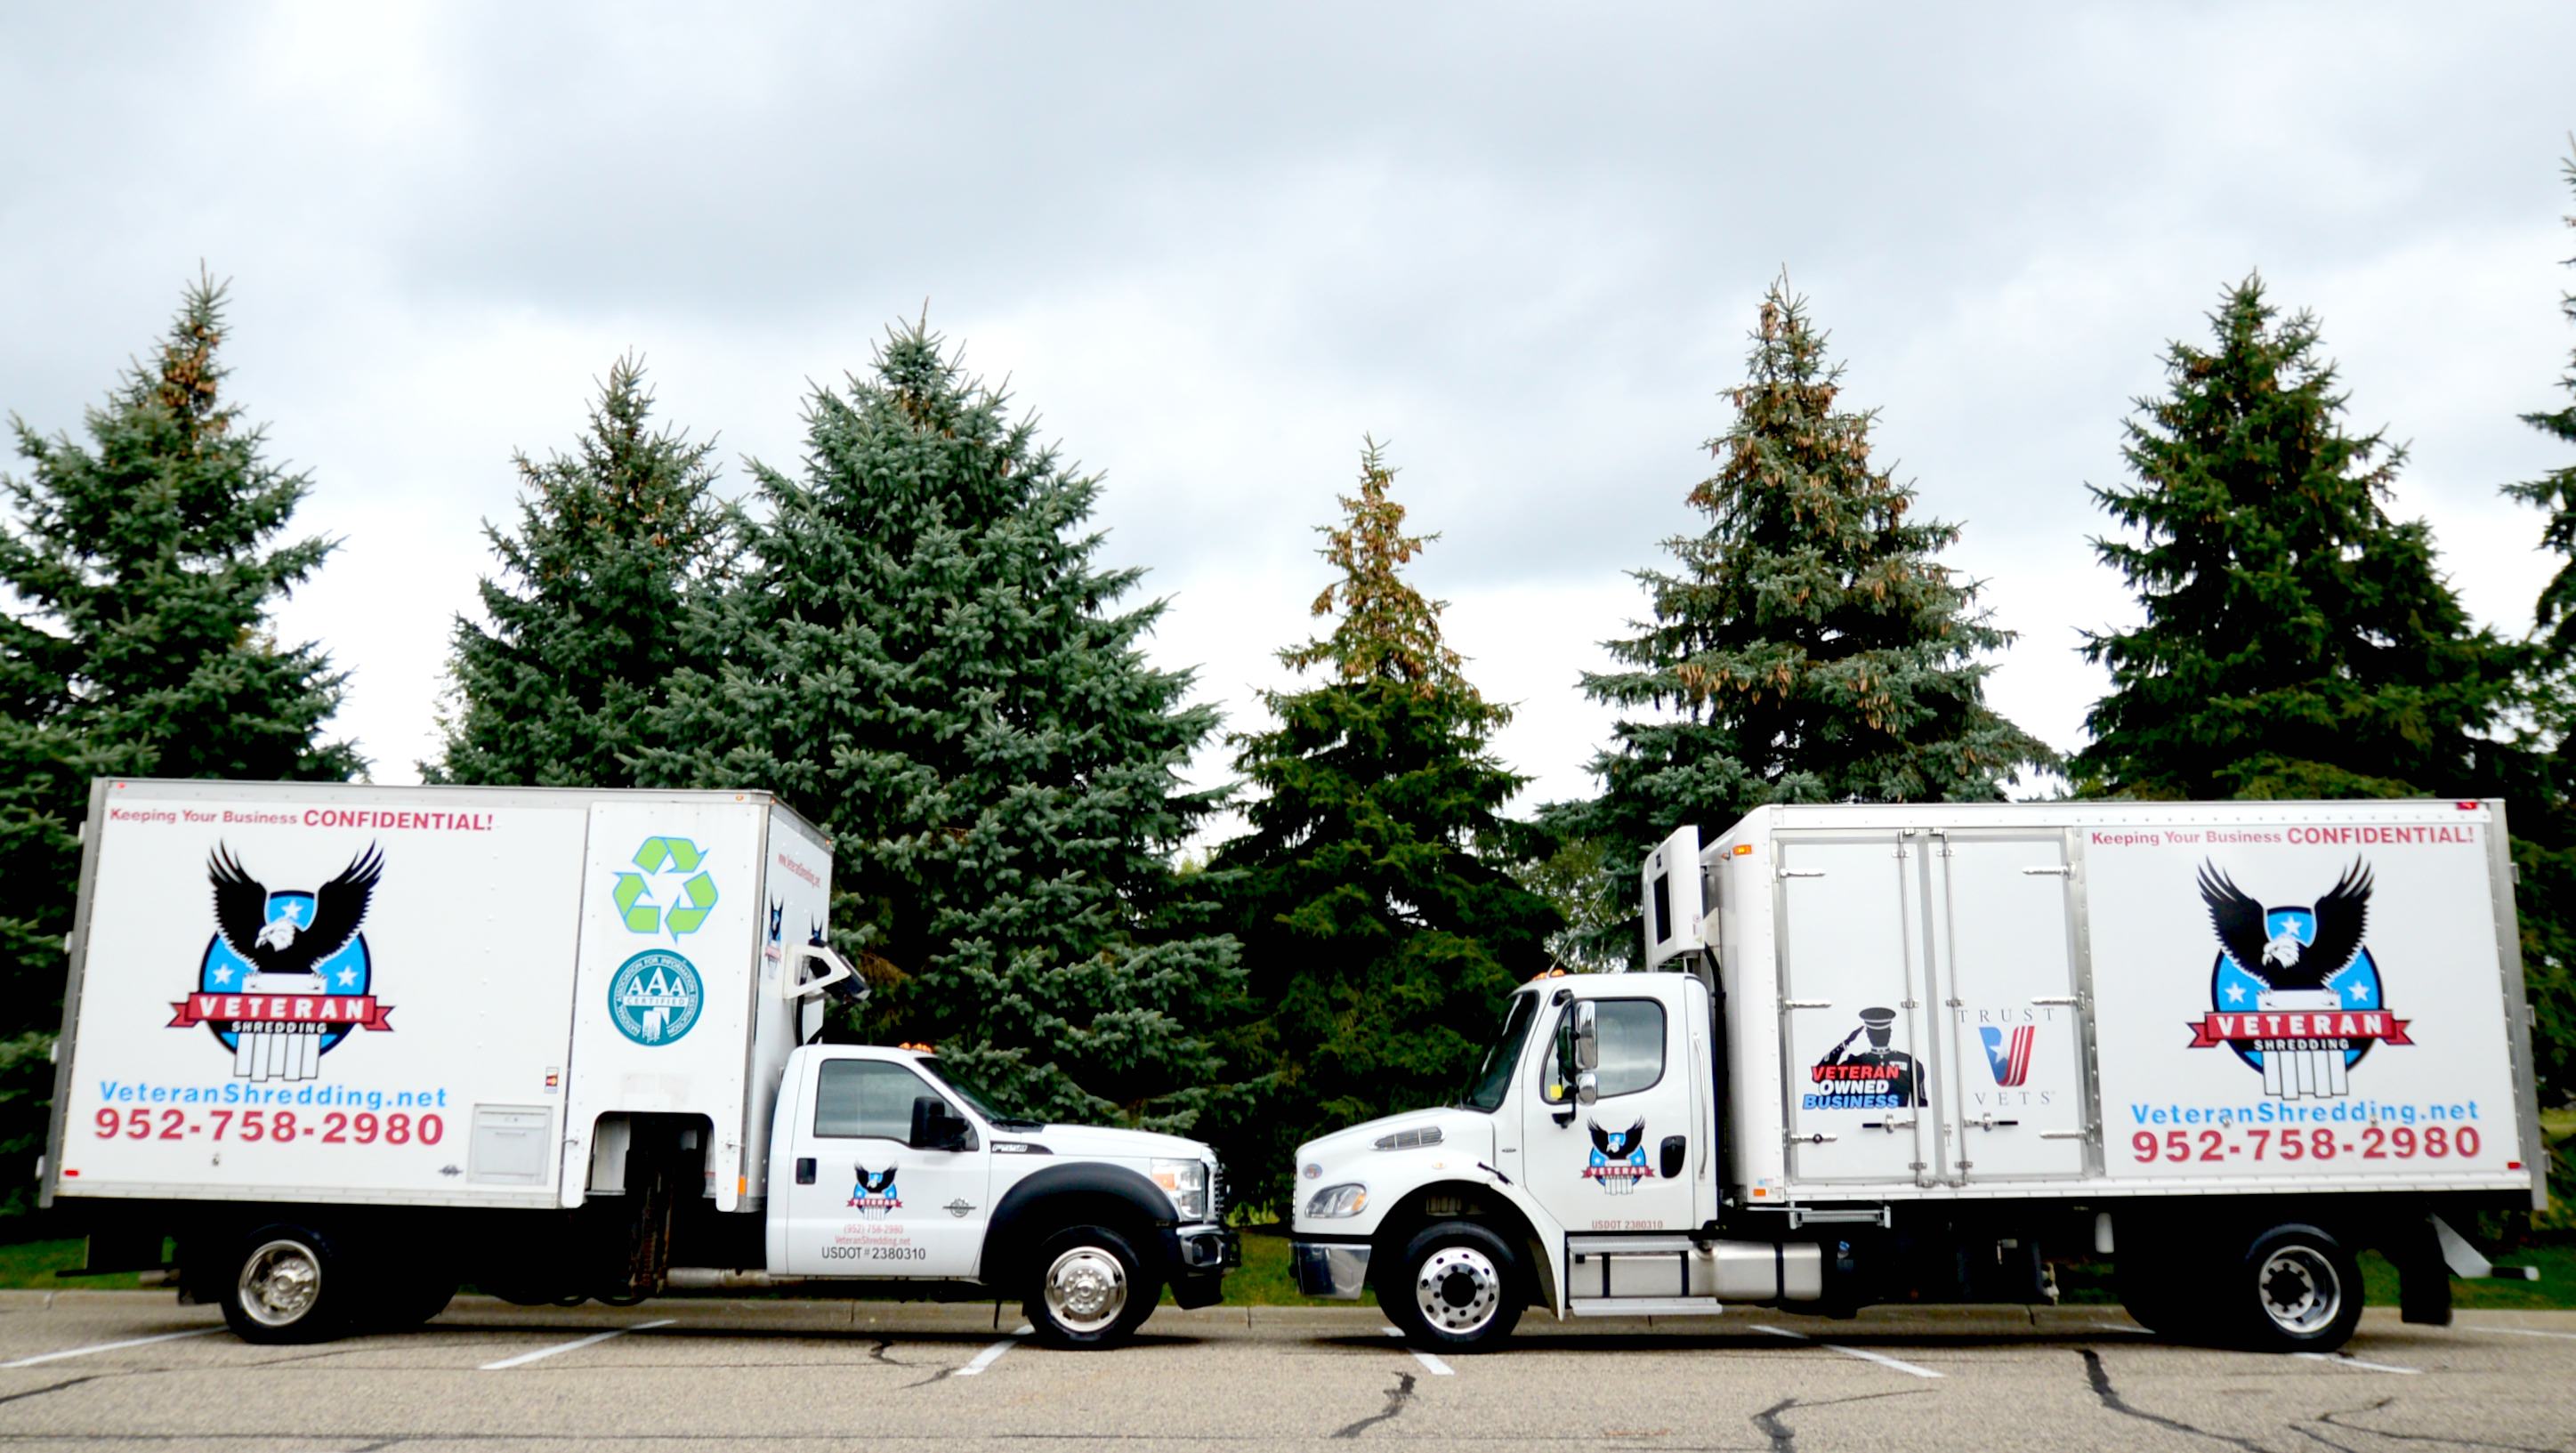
x=2296 y=1288
x=286 y=1283
x=1455 y=1287
x=1089 y=1289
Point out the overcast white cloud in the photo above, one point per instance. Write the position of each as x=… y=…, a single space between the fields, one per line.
x=1212 y=246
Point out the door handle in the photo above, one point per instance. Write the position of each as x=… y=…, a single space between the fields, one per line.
x=2069 y=1000
x=1676 y=1150
x=2047 y=872
x=1802 y=872
x=804 y=1170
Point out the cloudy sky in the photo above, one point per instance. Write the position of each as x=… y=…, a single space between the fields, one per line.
x=1211 y=246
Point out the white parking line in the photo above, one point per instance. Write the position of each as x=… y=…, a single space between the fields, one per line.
x=1438 y=1368
x=2116 y=1327
x=2343 y=1360
x=524 y=1358
x=2464 y=1326
x=992 y=1354
x=1861 y=1353
x=106 y=1347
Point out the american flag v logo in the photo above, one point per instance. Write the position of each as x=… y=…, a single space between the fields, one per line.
x=2009 y=1057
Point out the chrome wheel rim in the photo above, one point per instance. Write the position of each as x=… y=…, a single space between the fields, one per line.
x=280 y=1281
x=1086 y=1289
x=2300 y=1291
x=1458 y=1290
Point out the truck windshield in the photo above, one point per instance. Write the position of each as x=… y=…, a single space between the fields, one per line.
x=976 y=1096
x=1494 y=1079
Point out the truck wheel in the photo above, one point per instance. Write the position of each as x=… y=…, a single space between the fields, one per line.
x=289 y=1284
x=1456 y=1288
x=2296 y=1289
x=1090 y=1290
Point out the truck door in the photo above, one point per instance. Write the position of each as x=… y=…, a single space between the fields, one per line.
x=1627 y=1161
x=861 y=1199
x=1860 y=1074
x=2003 y=931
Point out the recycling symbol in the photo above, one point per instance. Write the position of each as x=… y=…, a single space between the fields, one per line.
x=671 y=892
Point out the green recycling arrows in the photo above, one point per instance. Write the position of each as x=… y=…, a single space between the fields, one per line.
x=682 y=911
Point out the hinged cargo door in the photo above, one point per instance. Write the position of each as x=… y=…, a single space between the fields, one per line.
x=2002 y=932
x=1851 y=1011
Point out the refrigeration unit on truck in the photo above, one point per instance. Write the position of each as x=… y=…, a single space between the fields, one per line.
x=1915 y=1053
x=345 y=1046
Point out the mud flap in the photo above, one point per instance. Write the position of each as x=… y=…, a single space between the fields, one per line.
x=2423 y=1274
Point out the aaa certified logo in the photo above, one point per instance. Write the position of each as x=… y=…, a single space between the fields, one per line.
x=654 y=996
x=287 y=974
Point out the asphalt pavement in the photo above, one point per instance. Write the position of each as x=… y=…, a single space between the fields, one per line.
x=134 y=1370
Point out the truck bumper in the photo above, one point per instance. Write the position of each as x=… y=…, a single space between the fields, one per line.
x=1330 y=1268
x=1199 y=1261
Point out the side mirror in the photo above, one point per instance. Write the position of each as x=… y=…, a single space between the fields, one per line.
x=935 y=1126
x=1587 y=1038
x=1587 y=1087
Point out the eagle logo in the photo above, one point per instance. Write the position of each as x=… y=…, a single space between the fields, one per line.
x=287 y=975
x=875 y=1194
x=1618 y=1157
x=2294 y=991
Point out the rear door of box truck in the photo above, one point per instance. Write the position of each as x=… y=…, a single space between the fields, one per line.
x=328 y=993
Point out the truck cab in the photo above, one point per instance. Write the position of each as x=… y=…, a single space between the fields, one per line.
x=1578 y=1172
x=886 y=1164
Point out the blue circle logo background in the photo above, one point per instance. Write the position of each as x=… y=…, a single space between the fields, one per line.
x=654 y=996
x=351 y=971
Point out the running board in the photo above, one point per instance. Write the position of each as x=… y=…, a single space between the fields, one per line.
x=1644 y=1307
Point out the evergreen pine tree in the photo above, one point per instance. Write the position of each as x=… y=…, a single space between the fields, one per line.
x=925 y=660
x=614 y=543
x=1809 y=648
x=1380 y=930
x=140 y=571
x=2297 y=641
x=2555 y=492
x=2545 y=830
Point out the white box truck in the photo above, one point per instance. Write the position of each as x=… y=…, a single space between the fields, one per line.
x=1918 y=1052
x=349 y=1045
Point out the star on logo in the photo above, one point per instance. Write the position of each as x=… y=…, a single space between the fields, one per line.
x=2236 y=993
x=222 y=976
x=348 y=977
x=2360 y=992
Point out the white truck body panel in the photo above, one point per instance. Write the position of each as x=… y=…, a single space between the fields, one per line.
x=2033 y=999
x=503 y=988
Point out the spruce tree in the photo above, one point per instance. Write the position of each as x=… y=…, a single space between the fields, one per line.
x=2297 y=642
x=614 y=544
x=1380 y=929
x=2545 y=829
x=926 y=660
x=2555 y=492
x=1808 y=648
x=140 y=570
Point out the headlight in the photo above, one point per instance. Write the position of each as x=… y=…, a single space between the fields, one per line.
x=1186 y=1182
x=1334 y=1201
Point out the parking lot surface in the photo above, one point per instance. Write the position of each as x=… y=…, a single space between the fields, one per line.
x=100 y=1369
